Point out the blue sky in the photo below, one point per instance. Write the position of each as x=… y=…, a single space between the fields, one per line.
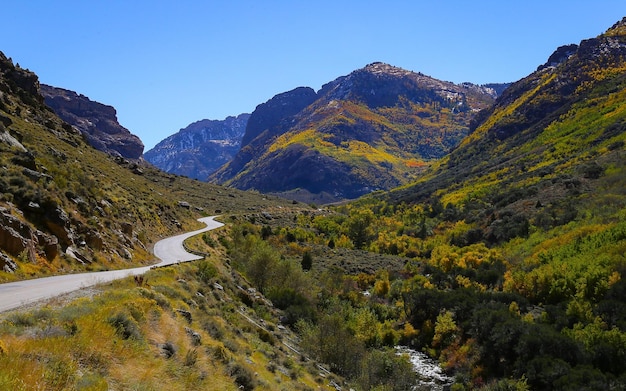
x=165 y=64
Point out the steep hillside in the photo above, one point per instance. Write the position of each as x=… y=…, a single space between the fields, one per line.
x=201 y=148
x=555 y=130
x=64 y=206
x=373 y=129
x=96 y=121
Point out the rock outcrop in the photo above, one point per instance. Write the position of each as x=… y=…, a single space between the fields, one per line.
x=18 y=238
x=96 y=121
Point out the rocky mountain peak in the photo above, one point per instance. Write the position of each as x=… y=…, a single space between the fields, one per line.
x=361 y=132
x=21 y=79
x=96 y=121
x=618 y=28
x=381 y=68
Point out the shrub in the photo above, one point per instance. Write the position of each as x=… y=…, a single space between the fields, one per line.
x=125 y=326
x=22 y=319
x=206 y=270
x=191 y=357
x=215 y=330
x=243 y=376
x=307 y=261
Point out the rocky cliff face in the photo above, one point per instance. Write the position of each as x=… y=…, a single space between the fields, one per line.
x=373 y=129
x=199 y=149
x=96 y=121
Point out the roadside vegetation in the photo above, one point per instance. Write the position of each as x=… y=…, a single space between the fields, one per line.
x=193 y=326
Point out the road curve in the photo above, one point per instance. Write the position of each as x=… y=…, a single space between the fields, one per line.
x=169 y=251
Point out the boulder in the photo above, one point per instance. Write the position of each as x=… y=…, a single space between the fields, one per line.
x=58 y=222
x=11 y=241
x=7 y=264
x=49 y=243
x=94 y=240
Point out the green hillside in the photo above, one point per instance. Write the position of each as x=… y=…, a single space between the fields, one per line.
x=66 y=208
x=505 y=260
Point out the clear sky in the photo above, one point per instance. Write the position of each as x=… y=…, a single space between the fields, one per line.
x=164 y=64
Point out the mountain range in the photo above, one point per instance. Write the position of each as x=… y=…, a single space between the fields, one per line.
x=385 y=125
x=374 y=129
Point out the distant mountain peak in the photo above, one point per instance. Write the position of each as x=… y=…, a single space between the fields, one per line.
x=200 y=148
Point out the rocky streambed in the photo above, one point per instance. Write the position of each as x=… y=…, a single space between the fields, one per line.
x=431 y=376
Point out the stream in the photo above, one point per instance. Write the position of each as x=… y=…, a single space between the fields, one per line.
x=431 y=376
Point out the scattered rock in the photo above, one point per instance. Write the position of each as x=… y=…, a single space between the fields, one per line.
x=168 y=349
x=12 y=241
x=76 y=255
x=127 y=228
x=6 y=138
x=185 y=314
x=94 y=240
x=49 y=243
x=58 y=223
x=36 y=175
x=196 y=338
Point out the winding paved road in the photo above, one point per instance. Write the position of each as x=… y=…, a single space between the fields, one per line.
x=169 y=250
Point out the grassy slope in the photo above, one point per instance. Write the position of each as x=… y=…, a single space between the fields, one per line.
x=175 y=329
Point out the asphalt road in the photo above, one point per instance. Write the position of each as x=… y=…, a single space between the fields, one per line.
x=169 y=251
